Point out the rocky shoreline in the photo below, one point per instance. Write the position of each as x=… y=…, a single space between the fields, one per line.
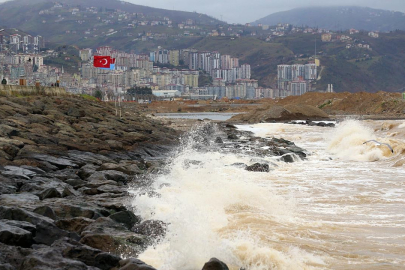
x=66 y=167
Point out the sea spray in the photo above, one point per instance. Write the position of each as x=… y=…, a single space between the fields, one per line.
x=207 y=204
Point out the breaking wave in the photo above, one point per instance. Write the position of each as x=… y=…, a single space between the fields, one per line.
x=212 y=208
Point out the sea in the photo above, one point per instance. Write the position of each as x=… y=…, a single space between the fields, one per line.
x=343 y=207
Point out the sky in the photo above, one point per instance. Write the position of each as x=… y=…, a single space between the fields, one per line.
x=244 y=11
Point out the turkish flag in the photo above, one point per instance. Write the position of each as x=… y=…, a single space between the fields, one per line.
x=102 y=61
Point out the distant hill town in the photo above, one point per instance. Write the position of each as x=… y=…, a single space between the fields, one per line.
x=194 y=54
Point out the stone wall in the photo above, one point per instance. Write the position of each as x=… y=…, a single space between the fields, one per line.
x=20 y=90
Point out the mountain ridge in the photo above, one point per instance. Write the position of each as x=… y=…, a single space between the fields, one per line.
x=339 y=18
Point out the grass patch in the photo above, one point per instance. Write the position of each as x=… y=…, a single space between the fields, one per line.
x=325 y=104
x=88 y=97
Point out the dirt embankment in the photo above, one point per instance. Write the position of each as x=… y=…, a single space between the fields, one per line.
x=382 y=104
x=320 y=105
x=273 y=112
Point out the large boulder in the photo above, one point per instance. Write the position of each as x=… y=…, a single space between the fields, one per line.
x=77 y=224
x=134 y=264
x=127 y=218
x=57 y=161
x=110 y=236
x=46 y=230
x=258 y=167
x=215 y=264
x=13 y=235
x=11 y=257
x=113 y=175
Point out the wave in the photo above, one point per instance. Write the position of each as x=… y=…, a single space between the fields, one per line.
x=209 y=207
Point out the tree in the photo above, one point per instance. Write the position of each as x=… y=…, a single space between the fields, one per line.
x=98 y=94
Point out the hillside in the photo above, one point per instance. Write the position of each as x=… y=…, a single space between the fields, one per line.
x=339 y=18
x=93 y=23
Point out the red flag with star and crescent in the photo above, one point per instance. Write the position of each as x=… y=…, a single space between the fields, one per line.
x=102 y=61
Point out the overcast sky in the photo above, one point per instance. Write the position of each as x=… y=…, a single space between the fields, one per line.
x=243 y=11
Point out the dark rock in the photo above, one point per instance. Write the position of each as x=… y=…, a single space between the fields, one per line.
x=230 y=126
x=7 y=131
x=219 y=140
x=109 y=175
x=76 y=225
x=87 y=158
x=66 y=210
x=233 y=137
x=68 y=191
x=154 y=228
x=109 y=236
x=15 y=236
x=51 y=258
x=112 y=189
x=45 y=211
x=86 y=171
x=215 y=264
x=90 y=191
x=18 y=199
x=282 y=141
x=7 y=186
x=65 y=174
x=36 y=170
x=127 y=218
x=75 y=183
x=21 y=224
x=106 y=261
x=130 y=169
x=50 y=193
x=13 y=171
x=298 y=151
x=58 y=162
x=75 y=112
x=134 y=264
x=12 y=255
x=288 y=158
x=257 y=167
x=6 y=266
x=46 y=232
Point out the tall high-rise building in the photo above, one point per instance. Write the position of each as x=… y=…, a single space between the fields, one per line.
x=297 y=72
x=310 y=72
x=193 y=60
x=174 y=57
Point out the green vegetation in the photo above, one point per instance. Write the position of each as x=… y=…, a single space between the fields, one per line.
x=325 y=104
x=88 y=97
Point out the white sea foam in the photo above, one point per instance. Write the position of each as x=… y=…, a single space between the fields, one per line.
x=347 y=142
x=199 y=201
x=312 y=214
